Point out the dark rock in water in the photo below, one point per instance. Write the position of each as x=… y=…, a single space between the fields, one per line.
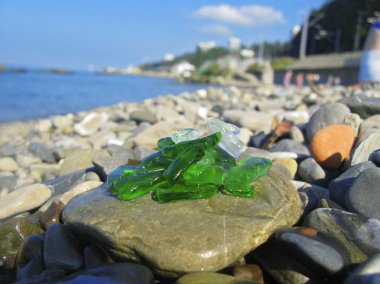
x=328 y=114
x=362 y=105
x=339 y=187
x=61 y=184
x=284 y=269
x=143 y=116
x=363 y=196
x=116 y=273
x=310 y=171
x=42 y=152
x=60 y=249
x=319 y=252
x=210 y=233
x=30 y=257
x=366 y=273
x=12 y=234
x=358 y=234
x=288 y=145
x=94 y=256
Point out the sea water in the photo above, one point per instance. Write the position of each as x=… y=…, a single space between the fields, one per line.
x=37 y=94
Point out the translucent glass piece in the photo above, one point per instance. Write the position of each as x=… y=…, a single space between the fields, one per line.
x=185 y=134
x=230 y=143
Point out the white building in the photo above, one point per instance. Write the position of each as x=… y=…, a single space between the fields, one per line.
x=183 y=68
x=169 y=57
x=234 y=43
x=206 y=45
x=247 y=53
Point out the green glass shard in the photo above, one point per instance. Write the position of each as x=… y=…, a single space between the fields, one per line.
x=133 y=186
x=182 y=191
x=205 y=143
x=156 y=161
x=182 y=162
x=248 y=170
x=117 y=174
x=202 y=173
x=163 y=142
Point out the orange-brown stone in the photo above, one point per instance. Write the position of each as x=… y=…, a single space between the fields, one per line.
x=332 y=145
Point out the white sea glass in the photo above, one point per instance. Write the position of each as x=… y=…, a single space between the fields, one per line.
x=185 y=134
x=230 y=143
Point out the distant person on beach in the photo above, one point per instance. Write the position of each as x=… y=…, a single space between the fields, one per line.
x=287 y=78
x=312 y=79
x=299 y=80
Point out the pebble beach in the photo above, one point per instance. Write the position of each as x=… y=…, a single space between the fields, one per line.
x=315 y=217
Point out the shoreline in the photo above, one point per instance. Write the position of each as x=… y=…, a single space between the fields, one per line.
x=54 y=171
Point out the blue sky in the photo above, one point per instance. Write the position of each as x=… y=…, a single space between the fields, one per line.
x=75 y=33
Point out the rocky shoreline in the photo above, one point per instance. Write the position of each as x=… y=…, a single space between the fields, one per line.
x=315 y=217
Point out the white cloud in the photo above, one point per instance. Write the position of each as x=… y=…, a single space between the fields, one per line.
x=253 y=15
x=216 y=29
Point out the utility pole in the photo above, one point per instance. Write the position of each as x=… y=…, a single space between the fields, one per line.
x=305 y=28
x=261 y=51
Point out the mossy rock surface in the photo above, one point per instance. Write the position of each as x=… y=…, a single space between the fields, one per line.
x=184 y=236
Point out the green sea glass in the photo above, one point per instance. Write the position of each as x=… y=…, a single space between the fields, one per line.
x=183 y=191
x=204 y=142
x=156 y=161
x=131 y=186
x=190 y=169
x=203 y=174
x=163 y=142
x=182 y=162
x=238 y=180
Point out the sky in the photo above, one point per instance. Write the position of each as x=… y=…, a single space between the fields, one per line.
x=74 y=34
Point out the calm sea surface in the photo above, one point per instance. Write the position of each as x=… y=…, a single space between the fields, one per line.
x=37 y=94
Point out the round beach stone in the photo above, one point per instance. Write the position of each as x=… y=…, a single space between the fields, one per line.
x=339 y=187
x=310 y=171
x=23 y=199
x=363 y=196
x=184 y=236
x=366 y=272
x=328 y=114
x=365 y=149
x=318 y=251
x=8 y=164
x=358 y=234
x=332 y=145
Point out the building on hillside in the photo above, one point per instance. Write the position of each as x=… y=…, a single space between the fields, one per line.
x=183 y=69
x=206 y=45
x=344 y=66
x=247 y=53
x=234 y=44
x=169 y=57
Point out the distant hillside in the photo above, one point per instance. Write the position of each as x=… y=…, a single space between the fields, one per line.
x=337 y=16
x=196 y=58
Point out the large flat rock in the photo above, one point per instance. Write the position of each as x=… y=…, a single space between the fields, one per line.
x=184 y=236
